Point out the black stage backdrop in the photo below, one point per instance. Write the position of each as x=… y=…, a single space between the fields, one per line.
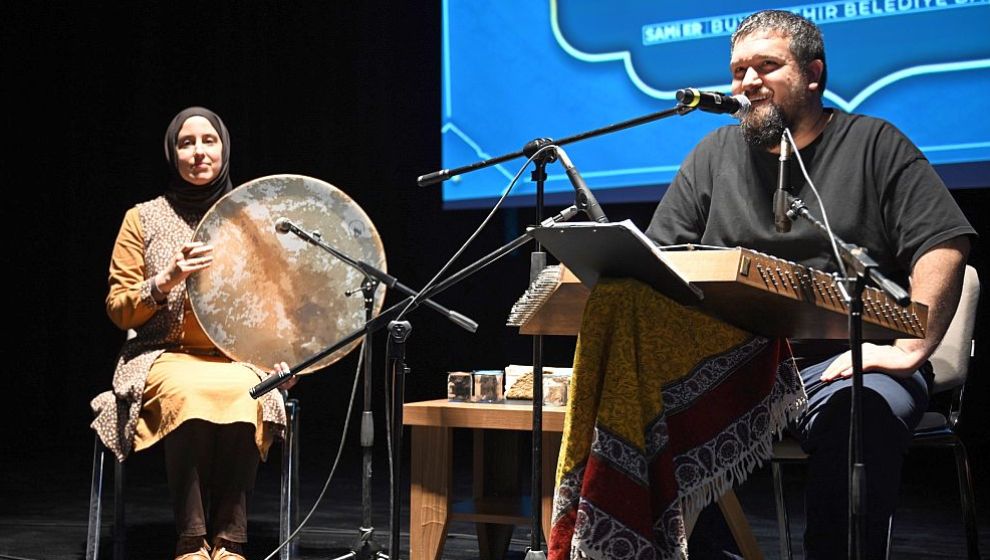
x=346 y=92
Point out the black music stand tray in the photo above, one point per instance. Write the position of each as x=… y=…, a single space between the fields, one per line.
x=614 y=250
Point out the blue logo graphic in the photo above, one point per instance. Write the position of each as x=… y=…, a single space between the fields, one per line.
x=515 y=70
x=646 y=36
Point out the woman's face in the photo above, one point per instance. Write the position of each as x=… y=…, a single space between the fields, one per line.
x=199 y=151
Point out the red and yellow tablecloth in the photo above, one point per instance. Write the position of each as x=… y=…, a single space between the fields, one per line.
x=668 y=409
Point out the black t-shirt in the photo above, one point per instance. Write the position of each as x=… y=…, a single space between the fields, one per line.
x=879 y=190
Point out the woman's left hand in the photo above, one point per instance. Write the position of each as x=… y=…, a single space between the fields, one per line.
x=283 y=367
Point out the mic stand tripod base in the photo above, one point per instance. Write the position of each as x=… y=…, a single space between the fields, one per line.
x=364 y=548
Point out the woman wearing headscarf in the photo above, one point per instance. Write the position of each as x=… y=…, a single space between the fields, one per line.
x=171 y=383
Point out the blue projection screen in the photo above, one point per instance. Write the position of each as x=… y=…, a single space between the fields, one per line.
x=515 y=70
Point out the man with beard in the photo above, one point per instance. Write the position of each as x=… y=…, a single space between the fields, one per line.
x=879 y=192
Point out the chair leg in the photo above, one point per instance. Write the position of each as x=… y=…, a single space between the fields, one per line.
x=95 y=502
x=289 y=507
x=783 y=524
x=119 y=520
x=890 y=531
x=967 y=499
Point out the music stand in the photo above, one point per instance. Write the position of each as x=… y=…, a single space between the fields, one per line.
x=619 y=250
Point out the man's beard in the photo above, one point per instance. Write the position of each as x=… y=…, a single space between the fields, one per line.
x=763 y=129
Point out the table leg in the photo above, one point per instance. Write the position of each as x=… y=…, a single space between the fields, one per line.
x=429 y=500
x=739 y=526
x=496 y=475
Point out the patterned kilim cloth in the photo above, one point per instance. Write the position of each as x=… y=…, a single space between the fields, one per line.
x=668 y=409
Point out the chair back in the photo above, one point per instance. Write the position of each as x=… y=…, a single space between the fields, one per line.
x=951 y=359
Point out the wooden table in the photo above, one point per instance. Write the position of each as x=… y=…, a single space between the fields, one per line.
x=430 y=504
x=431 y=507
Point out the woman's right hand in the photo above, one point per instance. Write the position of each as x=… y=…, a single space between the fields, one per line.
x=192 y=257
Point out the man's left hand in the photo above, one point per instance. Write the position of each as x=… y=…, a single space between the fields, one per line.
x=891 y=360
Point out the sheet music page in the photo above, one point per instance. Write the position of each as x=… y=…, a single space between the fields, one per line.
x=616 y=249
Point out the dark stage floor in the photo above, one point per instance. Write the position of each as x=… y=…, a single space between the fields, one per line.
x=43 y=509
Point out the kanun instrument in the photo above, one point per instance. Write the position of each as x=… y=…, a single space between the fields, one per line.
x=775 y=297
x=754 y=291
x=271 y=297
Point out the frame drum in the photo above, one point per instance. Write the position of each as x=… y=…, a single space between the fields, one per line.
x=271 y=297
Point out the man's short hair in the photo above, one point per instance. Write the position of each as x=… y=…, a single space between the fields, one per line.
x=805 y=37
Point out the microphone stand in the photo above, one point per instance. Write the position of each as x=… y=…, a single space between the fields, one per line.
x=585 y=202
x=863 y=267
x=368 y=270
x=538 y=259
x=399 y=332
x=537 y=262
x=364 y=548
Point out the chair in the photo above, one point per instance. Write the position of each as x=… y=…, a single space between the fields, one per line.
x=288 y=511
x=950 y=363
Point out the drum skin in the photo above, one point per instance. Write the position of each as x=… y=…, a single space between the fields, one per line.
x=270 y=297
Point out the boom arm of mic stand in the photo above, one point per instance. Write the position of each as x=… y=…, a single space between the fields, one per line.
x=853 y=255
x=372 y=326
x=390 y=281
x=444 y=174
x=488 y=259
x=385 y=317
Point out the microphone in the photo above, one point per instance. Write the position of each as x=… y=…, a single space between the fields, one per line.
x=431 y=178
x=585 y=200
x=270 y=382
x=283 y=225
x=781 y=222
x=714 y=102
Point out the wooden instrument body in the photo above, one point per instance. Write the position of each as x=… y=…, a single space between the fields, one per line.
x=774 y=297
x=754 y=291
